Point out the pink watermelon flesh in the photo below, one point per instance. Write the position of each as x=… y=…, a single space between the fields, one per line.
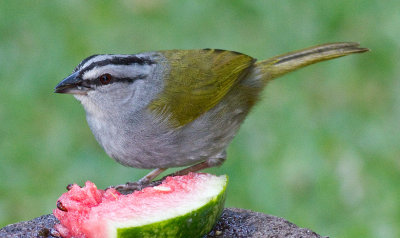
x=88 y=211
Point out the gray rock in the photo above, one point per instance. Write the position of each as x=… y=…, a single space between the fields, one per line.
x=233 y=223
x=236 y=222
x=38 y=227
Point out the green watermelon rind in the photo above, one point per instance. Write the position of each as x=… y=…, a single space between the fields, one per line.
x=195 y=223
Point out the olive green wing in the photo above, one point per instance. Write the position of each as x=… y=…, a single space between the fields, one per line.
x=196 y=81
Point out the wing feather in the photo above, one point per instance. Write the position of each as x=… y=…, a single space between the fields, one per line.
x=197 y=81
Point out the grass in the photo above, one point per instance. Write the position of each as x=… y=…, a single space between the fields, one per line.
x=321 y=149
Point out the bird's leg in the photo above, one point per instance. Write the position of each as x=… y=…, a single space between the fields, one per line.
x=141 y=183
x=209 y=163
x=150 y=176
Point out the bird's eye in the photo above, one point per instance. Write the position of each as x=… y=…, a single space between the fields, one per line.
x=105 y=79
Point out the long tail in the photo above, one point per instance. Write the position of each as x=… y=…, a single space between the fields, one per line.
x=286 y=63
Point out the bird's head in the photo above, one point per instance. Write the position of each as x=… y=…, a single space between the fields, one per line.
x=111 y=81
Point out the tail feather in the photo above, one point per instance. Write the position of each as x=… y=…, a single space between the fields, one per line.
x=286 y=63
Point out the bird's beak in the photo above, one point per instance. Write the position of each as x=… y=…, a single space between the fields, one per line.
x=72 y=85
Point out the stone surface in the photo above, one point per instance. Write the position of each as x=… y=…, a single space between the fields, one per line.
x=38 y=227
x=233 y=223
x=236 y=222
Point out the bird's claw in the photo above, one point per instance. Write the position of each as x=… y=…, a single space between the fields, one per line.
x=129 y=187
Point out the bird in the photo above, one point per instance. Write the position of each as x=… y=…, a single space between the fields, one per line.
x=177 y=108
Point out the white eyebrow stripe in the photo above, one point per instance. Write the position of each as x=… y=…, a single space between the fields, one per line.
x=118 y=71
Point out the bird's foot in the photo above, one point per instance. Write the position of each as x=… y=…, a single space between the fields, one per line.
x=130 y=187
x=146 y=181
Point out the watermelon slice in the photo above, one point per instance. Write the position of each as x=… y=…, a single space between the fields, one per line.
x=181 y=206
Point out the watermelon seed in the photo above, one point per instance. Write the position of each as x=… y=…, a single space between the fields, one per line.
x=162 y=188
x=69 y=186
x=61 y=207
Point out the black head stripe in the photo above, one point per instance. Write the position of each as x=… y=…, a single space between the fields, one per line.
x=130 y=60
x=130 y=80
x=118 y=61
x=92 y=83
x=83 y=62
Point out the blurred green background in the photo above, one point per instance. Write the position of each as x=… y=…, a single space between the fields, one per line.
x=321 y=149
